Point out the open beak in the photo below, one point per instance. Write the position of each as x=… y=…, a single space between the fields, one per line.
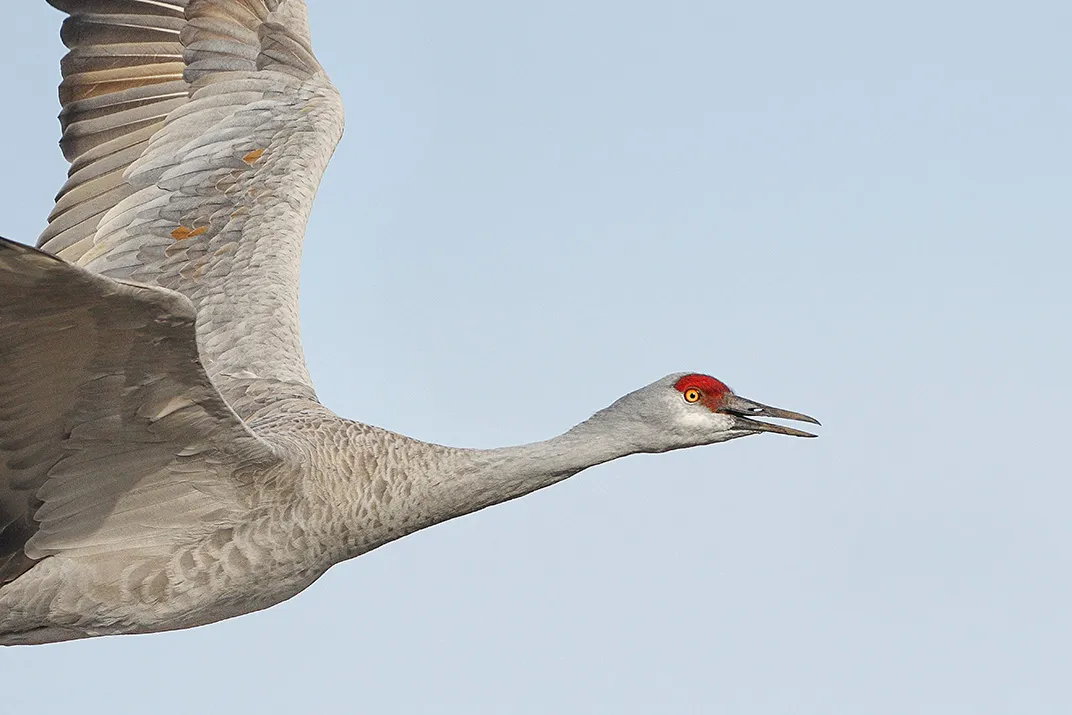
x=742 y=410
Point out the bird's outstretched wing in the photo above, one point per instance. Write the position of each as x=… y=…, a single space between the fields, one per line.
x=112 y=437
x=197 y=132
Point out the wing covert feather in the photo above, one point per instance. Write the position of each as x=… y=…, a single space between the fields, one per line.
x=111 y=433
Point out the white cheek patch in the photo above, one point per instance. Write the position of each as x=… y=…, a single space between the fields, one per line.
x=704 y=426
x=699 y=419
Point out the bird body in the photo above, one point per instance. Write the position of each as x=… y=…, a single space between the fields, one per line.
x=164 y=460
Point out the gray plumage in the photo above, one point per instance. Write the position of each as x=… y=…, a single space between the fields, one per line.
x=164 y=461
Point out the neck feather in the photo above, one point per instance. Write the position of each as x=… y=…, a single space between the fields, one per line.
x=481 y=478
x=416 y=485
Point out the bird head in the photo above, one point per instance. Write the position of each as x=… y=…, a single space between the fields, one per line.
x=692 y=409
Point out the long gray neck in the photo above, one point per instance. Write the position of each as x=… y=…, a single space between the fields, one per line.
x=415 y=485
x=497 y=475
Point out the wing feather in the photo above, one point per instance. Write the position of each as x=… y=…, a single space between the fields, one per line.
x=197 y=133
x=111 y=434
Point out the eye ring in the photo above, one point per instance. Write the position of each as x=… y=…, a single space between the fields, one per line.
x=691 y=395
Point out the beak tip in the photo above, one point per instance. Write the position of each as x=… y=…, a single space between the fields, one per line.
x=801 y=433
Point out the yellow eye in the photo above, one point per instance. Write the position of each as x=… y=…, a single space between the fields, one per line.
x=692 y=395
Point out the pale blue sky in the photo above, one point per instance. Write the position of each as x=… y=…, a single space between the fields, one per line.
x=859 y=213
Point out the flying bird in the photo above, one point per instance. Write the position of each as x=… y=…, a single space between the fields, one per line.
x=164 y=461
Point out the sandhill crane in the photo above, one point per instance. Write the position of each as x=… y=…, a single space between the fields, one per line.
x=164 y=461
